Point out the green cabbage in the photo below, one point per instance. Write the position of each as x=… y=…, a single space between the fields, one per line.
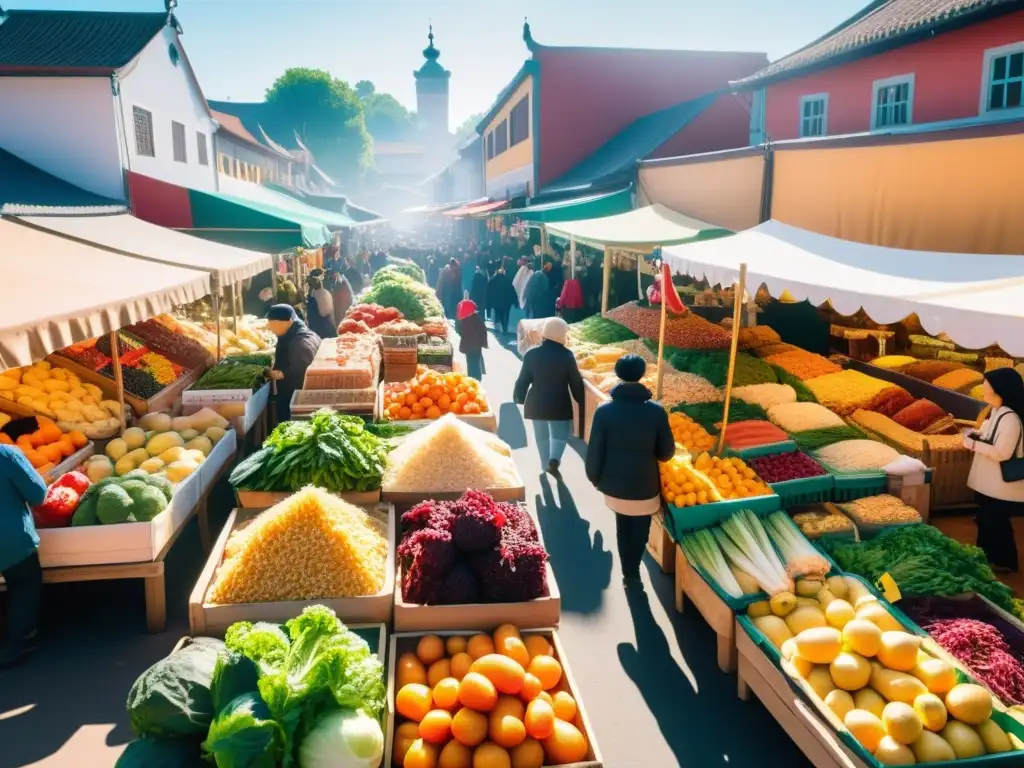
x=244 y=735
x=162 y=753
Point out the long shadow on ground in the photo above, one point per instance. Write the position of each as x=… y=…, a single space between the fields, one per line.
x=511 y=428
x=583 y=565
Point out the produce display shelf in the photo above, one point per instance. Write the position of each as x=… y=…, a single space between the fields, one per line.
x=857 y=485
x=405 y=642
x=165 y=400
x=210 y=619
x=402 y=342
x=70 y=463
x=405 y=499
x=711 y=604
x=486 y=421
x=806 y=490
x=583 y=415
x=267 y=499
x=685 y=519
x=399 y=372
x=135 y=550
x=243 y=408
x=661 y=545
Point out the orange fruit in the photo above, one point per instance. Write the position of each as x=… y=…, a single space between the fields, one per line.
x=491 y=756
x=471 y=408
x=405 y=412
x=463 y=398
x=547 y=670
x=430 y=649
x=426 y=402
x=436 y=727
x=413 y=701
x=433 y=412
x=529 y=754
x=460 y=664
x=455 y=755
x=444 y=402
x=409 y=670
x=455 y=407
x=531 y=688
x=565 y=745
x=565 y=706
x=455 y=644
x=506 y=673
x=509 y=705
x=435 y=392
x=538 y=645
x=506 y=730
x=477 y=692
x=405 y=735
x=539 y=721
x=545 y=696
x=438 y=671
x=479 y=645
x=421 y=754
x=446 y=693
x=469 y=727
x=411 y=399
x=505 y=630
x=515 y=649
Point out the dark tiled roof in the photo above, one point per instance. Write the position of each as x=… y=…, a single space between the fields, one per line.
x=75 y=40
x=880 y=22
x=260 y=118
x=27 y=190
x=633 y=143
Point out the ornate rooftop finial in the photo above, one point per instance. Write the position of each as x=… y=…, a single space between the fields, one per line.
x=527 y=37
x=430 y=52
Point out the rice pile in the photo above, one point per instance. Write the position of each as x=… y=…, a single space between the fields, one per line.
x=856 y=456
x=766 y=395
x=800 y=417
x=449 y=455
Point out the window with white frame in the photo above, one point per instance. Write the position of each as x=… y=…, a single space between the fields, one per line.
x=893 y=102
x=143 y=122
x=203 y=156
x=814 y=115
x=178 y=142
x=1004 y=78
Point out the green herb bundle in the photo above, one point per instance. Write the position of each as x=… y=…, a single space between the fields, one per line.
x=229 y=374
x=803 y=392
x=600 y=330
x=710 y=414
x=813 y=439
x=415 y=300
x=331 y=451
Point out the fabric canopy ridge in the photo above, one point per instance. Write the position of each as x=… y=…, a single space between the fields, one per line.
x=478 y=208
x=84 y=291
x=265 y=196
x=248 y=223
x=575 y=208
x=976 y=299
x=134 y=237
x=642 y=229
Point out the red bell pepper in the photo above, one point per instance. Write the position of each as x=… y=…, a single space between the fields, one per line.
x=57 y=508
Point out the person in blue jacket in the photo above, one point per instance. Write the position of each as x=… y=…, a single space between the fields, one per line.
x=628 y=437
x=21 y=488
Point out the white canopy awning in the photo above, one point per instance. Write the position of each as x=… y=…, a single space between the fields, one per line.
x=61 y=291
x=642 y=229
x=140 y=239
x=977 y=299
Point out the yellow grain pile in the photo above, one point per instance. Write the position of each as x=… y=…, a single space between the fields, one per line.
x=310 y=546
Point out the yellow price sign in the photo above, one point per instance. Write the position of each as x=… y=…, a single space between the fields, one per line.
x=887 y=584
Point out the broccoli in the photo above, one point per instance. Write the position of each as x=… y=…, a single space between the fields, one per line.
x=161 y=483
x=85 y=514
x=114 y=505
x=149 y=503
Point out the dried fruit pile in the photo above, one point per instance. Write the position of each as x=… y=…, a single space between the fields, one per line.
x=683 y=331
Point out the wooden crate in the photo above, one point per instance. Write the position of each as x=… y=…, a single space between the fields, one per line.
x=485 y=421
x=405 y=642
x=243 y=412
x=661 y=545
x=583 y=416
x=134 y=542
x=165 y=400
x=815 y=738
x=535 y=614
x=409 y=498
x=206 y=618
x=267 y=499
x=719 y=616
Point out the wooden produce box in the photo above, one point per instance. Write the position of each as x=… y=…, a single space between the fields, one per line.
x=133 y=542
x=242 y=407
x=542 y=612
x=405 y=642
x=408 y=498
x=661 y=545
x=819 y=742
x=165 y=400
x=916 y=493
x=592 y=398
x=267 y=499
x=70 y=463
x=720 y=617
x=209 y=619
x=485 y=421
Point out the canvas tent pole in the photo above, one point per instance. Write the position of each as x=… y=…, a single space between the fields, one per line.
x=737 y=310
x=115 y=354
x=606 y=281
x=639 y=284
x=661 y=344
x=215 y=298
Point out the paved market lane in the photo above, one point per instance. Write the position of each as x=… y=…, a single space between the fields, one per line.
x=648 y=675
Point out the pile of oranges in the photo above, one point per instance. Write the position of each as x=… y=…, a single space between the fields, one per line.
x=48 y=446
x=486 y=701
x=432 y=394
x=688 y=433
x=733 y=478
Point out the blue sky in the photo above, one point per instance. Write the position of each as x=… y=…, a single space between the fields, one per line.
x=239 y=47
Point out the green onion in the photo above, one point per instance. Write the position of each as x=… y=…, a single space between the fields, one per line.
x=746 y=545
x=802 y=559
x=703 y=551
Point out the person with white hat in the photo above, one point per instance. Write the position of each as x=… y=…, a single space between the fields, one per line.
x=548 y=383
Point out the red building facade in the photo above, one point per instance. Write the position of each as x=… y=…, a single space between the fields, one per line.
x=943 y=65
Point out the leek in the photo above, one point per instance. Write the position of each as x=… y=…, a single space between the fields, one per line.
x=748 y=535
x=802 y=559
x=703 y=551
x=751 y=561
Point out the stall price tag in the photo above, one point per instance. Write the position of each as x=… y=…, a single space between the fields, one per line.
x=887 y=584
x=215 y=396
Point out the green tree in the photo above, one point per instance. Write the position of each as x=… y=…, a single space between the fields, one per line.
x=387 y=119
x=365 y=89
x=468 y=127
x=328 y=116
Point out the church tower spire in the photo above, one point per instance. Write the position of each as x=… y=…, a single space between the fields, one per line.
x=432 y=90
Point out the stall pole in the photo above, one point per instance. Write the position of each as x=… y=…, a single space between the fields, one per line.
x=737 y=310
x=215 y=298
x=545 y=244
x=639 y=283
x=661 y=344
x=115 y=354
x=606 y=282
x=275 y=259
x=241 y=305
x=572 y=257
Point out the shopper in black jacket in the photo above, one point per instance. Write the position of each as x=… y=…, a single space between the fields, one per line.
x=548 y=383
x=296 y=347
x=628 y=437
x=501 y=297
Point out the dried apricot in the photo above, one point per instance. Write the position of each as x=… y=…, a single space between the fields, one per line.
x=477 y=692
x=413 y=701
x=469 y=727
x=436 y=726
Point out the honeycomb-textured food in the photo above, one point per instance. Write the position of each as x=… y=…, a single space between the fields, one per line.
x=803 y=364
x=310 y=546
x=883 y=509
x=846 y=391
